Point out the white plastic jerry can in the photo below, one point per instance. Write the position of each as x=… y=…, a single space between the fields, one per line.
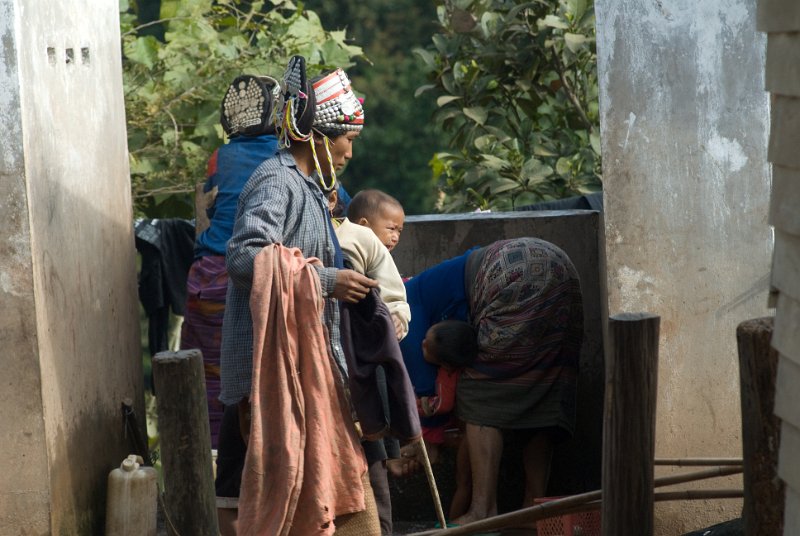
x=131 y=507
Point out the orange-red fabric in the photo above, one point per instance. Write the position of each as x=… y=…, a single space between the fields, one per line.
x=304 y=464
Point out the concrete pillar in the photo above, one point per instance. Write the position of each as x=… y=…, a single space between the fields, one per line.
x=684 y=124
x=69 y=345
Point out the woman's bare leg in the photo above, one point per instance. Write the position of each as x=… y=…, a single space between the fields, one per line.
x=485 y=446
x=537 y=455
x=463 y=493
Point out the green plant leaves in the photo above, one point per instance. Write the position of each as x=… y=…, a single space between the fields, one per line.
x=173 y=87
x=517 y=100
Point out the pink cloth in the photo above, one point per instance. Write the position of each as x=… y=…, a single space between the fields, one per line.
x=304 y=463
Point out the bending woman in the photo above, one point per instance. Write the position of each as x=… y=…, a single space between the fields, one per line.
x=523 y=297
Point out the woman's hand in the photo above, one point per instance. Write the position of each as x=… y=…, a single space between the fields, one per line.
x=352 y=286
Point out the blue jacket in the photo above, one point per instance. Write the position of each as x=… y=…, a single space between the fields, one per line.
x=436 y=294
x=229 y=168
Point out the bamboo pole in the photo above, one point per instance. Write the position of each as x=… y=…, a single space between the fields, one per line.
x=629 y=423
x=437 y=501
x=698 y=494
x=697 y=462
x=185 y=442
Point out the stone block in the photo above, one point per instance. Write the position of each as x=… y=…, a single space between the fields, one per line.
x=783 y=64
x=784 y=136
x=778 y=16
x=786 y=264
x=786 y=336
x=785 y=199
x=789 y=458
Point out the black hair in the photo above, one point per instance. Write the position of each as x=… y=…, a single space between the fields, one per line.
x=455 y=342
x=368 y=203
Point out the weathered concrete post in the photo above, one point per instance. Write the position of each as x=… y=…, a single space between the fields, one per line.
x=629 y=424
x=69 y=328
x=185 y=442
x=761 y=429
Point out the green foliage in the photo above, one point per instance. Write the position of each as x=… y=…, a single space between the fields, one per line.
x=517 y=95
x=173 y=87
x=393 y=151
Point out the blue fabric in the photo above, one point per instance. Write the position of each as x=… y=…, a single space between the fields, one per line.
x=436 y=294
x=236 y=161
x=338 y=255
x=344 y=198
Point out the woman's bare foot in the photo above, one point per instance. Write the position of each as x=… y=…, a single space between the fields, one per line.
x=472 y=516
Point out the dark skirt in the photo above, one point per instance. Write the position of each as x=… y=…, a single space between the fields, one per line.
x=526 y=305
x=202 y=327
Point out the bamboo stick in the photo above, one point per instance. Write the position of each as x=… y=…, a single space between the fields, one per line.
x=697 y=475
x=437 y=501
x=699 y=494
x=687 y=462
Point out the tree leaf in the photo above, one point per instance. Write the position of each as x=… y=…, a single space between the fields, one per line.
x=422 y=89
x=477 y=114
x=574 y=41
x=552 y=21
x=504 y=185
x=563 y=166
x=446 y=99
x=493 y=162
x=594 y=140
x=143 y=50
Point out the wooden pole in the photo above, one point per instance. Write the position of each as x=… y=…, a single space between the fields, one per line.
x=763 y=490
x=629 y=425
x=185 y=443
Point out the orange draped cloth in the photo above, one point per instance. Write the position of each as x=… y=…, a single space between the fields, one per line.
x=304 y=463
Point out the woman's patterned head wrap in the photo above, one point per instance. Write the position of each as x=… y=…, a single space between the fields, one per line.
x=338 y=110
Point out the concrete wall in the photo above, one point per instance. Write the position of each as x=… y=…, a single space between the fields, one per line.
x=428 y=240
x=781 y=19
x=69 y=323
x=684 y=124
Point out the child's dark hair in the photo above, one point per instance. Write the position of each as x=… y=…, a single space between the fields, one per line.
x=455 y=342
x=368 y=203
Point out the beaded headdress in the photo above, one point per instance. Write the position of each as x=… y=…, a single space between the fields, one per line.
x=247 y=108
x=338 y=110
x=328 y=106
x=296 y=109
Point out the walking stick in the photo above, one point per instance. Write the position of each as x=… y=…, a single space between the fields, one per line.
x=437 y=502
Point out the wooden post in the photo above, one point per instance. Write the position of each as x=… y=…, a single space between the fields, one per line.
x=763 y=490
x=629 y=425
x=185 y=443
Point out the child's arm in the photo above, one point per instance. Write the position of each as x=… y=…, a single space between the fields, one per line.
x=445 y=398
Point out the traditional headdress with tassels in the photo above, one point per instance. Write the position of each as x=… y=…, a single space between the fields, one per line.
x=329 y=107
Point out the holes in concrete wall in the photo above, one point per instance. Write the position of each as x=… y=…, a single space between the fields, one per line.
x=69 y=55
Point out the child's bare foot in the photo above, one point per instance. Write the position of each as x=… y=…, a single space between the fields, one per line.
x=402 y=467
